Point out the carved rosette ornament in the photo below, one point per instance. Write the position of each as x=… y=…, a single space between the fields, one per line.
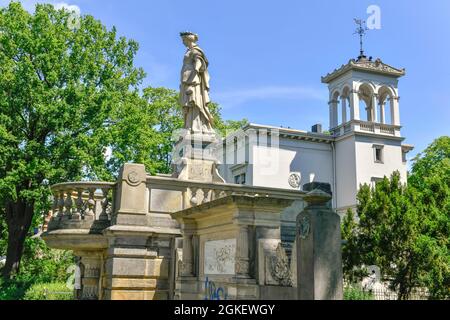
x=133 y=178
x=279 y=267
x=294 y=180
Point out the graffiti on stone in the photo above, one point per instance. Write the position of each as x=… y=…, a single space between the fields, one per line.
x=220 y=256
x=213 y=292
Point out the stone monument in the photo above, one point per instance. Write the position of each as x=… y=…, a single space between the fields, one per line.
x=194 y=156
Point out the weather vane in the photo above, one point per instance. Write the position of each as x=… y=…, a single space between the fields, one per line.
x=361 y=30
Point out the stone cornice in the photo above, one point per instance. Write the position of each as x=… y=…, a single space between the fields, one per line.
x=292 y=133
x=376 y=66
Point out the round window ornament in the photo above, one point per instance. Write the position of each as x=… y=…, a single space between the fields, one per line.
x=294 y=180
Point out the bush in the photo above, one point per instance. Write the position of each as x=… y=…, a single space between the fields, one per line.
x=12 y=289
x=40 y=265
x=49 y=291
x=354 y=292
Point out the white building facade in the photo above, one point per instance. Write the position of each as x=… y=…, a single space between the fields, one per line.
x=363 y=144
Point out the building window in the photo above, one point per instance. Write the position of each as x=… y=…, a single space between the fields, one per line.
x=378 y=153
x=239 y=179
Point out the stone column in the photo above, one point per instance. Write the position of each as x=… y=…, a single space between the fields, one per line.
x=333 y=113
x=319 y=260
x=395 y=112
x=188 y=259
x=344 y=109
x=242 y=254
x=91 y=275
x=354 y=105
x=382 y=114
x=374 y=108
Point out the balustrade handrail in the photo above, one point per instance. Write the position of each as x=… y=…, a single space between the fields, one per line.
x=236 y=188
x=82 y=184
x=377 y=124
x=77 y=201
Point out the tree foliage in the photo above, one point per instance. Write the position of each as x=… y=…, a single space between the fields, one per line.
x=58 y=87
x=71 y=108
x=405 y=230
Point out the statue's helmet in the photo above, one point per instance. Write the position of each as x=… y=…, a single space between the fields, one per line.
x=189 y=35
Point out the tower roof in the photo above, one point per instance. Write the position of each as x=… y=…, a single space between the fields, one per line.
x=366 y=65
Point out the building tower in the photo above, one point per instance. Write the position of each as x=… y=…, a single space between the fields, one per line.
x=365 y=122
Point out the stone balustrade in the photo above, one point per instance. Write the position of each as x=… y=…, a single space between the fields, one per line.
x=366 y=126
x=195 y=193
x=79 y=205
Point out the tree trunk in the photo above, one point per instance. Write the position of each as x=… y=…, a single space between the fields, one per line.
x=19 y=216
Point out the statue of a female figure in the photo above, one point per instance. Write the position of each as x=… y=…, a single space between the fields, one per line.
x=194 y=88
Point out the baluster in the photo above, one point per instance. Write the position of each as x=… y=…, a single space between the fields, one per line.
x=55 y=205
x=194 y=200
x=61 y=204
x=104 y=216
x=205 y=194
x=68 y=204
x=91 y=204
x=79 y=205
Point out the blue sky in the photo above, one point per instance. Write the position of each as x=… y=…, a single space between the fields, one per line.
x=267 y=57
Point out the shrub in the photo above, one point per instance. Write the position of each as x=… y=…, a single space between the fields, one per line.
x=40 y=264
x=354 y=292
x=49 y=291
x=12 y=289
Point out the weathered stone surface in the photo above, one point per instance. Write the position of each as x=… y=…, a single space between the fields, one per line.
x=319 y=260
x=138 y=267
x=243 y=220
x=137 y=295
x=131 y=196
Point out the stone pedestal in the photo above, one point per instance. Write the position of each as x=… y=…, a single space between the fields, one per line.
x=138 y=259
x=319 y=259
x=194 y=158
x=221 y=254
x=137 y=264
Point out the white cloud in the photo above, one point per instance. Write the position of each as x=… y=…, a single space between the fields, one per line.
x=235 y=98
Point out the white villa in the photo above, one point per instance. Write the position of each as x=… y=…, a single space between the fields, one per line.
x=364 y=142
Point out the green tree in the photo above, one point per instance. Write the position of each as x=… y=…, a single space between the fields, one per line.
x=225 y=127
x=405 y=230
x=430 y=177
x=70 y=109
x=60 y=89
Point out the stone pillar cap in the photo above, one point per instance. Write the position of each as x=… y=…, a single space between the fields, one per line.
x=317 y=197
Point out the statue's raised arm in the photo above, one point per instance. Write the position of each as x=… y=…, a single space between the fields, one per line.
x=194 y=87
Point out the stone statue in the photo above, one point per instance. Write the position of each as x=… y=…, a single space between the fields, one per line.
x=194 y=87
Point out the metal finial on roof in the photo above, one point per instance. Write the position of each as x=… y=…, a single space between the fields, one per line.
x=361 y=30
